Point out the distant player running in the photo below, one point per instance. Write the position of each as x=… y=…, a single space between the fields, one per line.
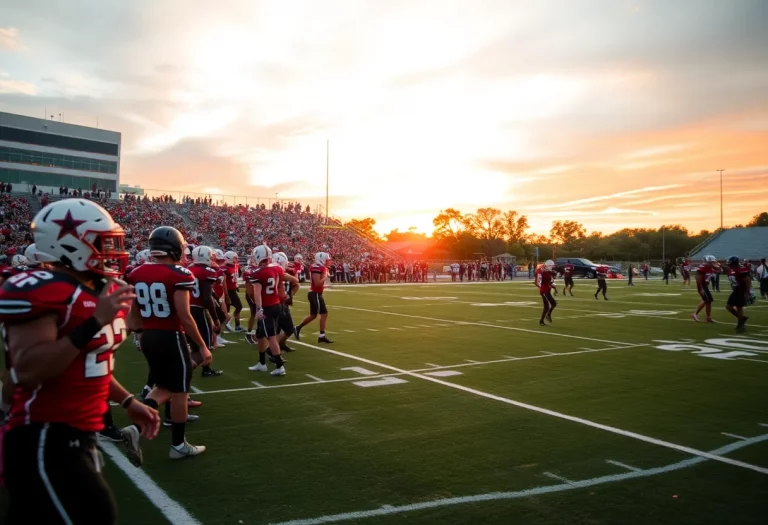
x=602 y=285
x=318 y=273
x=741 y=284
x=704 y=274
x=544 y=278
x=568 y=269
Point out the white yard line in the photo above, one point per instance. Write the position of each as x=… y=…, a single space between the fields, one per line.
x=314 y=378
x=558 y=478
x=487 y=325
x=433 y=366
x=195 y=389
x=386 y=510
x=171 y=509
x=553 y=413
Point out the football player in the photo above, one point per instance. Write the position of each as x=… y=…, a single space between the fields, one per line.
x=318 y=272
x=63 y=324
x=544 y=278
x=162 y=311
x=220 y=295
x=685 y=270
x=568 y=270
x=267 y=282
x=18 y=265
x=231 y=271
x=602 y=285
x=247 y=274
x=203 y=306
x=291 y=283
x=741 y=285
x=704 y=274
x=298 y=266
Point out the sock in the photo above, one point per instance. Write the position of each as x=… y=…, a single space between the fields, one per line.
x=237 y=323
x=322 y=334
x=263 y=358
x=177 y=434
x=108 y=421
x=151 y=403
x=278 y=361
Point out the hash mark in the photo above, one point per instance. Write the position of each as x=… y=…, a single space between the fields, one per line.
x=314 y=378
x=257 y=384
x=559 y=478
x=734 y=436
x=623 y=465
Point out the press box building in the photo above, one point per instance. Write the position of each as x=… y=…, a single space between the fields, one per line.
x=52 y=154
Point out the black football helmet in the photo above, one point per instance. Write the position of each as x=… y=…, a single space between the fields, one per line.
x=166 y=241
x=733 y=261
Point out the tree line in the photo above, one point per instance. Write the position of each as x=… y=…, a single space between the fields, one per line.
x=491 y=231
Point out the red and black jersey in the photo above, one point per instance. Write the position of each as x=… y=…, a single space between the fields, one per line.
x=706 y=271
x=568 y=270
x=318 y=269
x=290 y=270
x=270 y=278
x=544 y=280
x=230 y=273
x=602 y=272
x=78 y=396
x=201 y=272
x=10 y=271
x=739 y=278
x=154 y=285
x=218 y=286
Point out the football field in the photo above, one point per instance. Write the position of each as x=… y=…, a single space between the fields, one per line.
x=449 y=404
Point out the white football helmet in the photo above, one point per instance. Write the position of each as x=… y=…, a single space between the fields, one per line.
x=142 y=257
x=19 y=260
x=218 y=256
x=281 y=259
x=261 y=253
x=82 y=235
x=710 y=258
x=298 y=258
x=188 y=249
x=31 y=254
x=322 y=258
x=231 y=257
x=202 y=255
x=549 y=264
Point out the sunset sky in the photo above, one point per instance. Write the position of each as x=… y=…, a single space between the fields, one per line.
x=615 y=113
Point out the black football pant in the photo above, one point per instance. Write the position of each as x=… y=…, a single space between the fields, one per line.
x=53 y=476
x=602 y=286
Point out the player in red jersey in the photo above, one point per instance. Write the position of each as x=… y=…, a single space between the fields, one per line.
x=685 y=270
x=63 y=324
x=298 y=265
x=267 y=281
x=741 y=284
x=231 y=271
x=544 y=278
x=291 y=284
x=203 y=306
x=220 y=295
x=18 y=265
x=247 y=274
x=568 y=270
x=602 y=285
x=704 y=274
x=162 y=311
x=318 y=272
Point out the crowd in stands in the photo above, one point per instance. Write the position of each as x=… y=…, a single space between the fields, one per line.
x=286 y=226
x=139 y=216
x=15 y=234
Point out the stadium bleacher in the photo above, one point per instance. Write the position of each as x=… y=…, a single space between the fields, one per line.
x=745 y=243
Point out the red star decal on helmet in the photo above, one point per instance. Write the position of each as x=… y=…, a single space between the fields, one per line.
x=68 y=225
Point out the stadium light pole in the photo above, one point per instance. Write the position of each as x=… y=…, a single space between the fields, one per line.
x=721 y=198
x=327 y=165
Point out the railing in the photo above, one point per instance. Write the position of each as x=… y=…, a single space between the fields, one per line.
x=706 y=242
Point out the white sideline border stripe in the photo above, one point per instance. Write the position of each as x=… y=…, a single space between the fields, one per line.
x=553 y=413
x=623 y=465
x=171 y=509
x=386 y=510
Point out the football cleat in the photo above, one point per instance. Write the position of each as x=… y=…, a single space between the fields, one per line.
x=549 y=317
x=185 y=450
x=278 y=371
x=239 y=329
x=695 y=317
x=191 y=418
x=258 y=367
x=112 y=433
x=710 y=320
x=210 y=372
x=191 y=403
x=249 y=338
x=221 y=341
x=132 y=441
x=324 y=339
x=297 y=332
x=228 y=326
x=542 y=323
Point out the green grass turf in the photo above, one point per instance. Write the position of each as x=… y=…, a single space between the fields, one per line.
x=302 y=449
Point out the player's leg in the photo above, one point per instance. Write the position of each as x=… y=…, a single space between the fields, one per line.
x=206 y=331
x=545 y=309
x=110 y=432
x=52 y=474
x=237 y=304
x=223 y=320
x=605 y=289
x=552 y=305
x=287 y=329
x=322 y=338
x=6 y=396
x=314 y=310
